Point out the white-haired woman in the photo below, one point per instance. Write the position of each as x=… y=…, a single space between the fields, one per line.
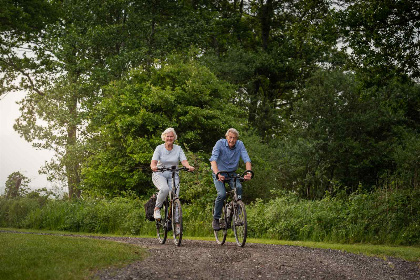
x=166 y=155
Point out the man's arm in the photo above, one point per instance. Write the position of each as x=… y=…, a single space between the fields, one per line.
x=248 y=165
x=216 y=169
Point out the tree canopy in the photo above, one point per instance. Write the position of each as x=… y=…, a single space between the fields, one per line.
x=326 y=91
x=127 y=124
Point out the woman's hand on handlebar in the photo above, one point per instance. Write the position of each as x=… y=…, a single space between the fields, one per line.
x=190 y=168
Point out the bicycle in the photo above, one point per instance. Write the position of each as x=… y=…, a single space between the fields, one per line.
x=232 y=208
x=171 y=211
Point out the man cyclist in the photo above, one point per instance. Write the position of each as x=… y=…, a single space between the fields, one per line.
x=225 y=157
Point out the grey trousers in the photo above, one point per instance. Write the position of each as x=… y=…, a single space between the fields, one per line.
x=163 y=182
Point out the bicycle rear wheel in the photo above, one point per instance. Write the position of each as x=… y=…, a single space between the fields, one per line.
x=161 y=225
x=177 y=221
x=221 y=234
x=239 y=223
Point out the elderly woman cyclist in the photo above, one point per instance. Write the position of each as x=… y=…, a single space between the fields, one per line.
x=166 y=155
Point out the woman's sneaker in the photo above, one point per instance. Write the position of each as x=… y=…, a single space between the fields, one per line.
x=156 y=215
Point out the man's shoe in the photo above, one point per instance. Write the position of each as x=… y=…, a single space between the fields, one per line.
x=215 y=224
x=156 y=215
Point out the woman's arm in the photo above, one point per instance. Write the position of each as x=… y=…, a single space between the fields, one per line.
x=153 y=165
x=187 y=165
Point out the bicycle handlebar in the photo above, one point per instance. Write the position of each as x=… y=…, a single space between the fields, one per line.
x=172 y=168
x=231 y=176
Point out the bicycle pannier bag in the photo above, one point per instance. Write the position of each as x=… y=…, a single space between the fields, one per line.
x=149 y=207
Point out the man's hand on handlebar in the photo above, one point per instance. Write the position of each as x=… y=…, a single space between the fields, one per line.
x=247 y=176
x=221 y=178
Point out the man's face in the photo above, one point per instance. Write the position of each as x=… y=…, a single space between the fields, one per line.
x=231 y=138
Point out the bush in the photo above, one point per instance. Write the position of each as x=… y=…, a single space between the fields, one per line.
x=380 y=217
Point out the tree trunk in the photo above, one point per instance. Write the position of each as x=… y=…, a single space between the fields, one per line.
x=13 y=192
x=71 y=161
x=266 y=19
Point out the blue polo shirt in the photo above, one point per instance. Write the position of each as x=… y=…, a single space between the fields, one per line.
x=227 y=159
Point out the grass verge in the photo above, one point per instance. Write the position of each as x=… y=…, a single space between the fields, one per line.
x=32 y=256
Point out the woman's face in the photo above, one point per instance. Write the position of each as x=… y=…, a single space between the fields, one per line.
x=169 y=138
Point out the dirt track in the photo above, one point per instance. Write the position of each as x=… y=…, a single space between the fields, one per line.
x=207 y=260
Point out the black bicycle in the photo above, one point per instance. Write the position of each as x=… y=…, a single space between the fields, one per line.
x=233 y=212
x=171 y=211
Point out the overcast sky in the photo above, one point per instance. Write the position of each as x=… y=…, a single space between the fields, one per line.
x=15 y=153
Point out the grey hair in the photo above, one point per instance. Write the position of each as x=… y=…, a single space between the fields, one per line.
x=232 y=130
x=170 y=129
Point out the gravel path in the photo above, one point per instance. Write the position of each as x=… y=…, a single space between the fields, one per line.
x=207 y=260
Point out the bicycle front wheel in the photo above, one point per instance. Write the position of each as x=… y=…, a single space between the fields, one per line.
x=161 y=224
x=221 y=234
x=177 y=221
x=239 y=223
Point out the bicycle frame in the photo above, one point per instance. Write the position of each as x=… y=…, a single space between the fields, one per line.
x=172 y=204
x=237 y=211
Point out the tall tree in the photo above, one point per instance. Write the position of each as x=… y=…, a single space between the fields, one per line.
x=383 y=37
x=270 y=48
x=346 y=135
x=16 y=185
x=128 y=123
x=65 y=63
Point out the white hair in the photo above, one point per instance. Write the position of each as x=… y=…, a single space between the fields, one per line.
x=170 y=129
x=232 y=130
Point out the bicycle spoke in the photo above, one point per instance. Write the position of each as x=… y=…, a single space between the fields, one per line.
x=239 y=223
x=161 y=227
x=177 y=227
x=221 y=234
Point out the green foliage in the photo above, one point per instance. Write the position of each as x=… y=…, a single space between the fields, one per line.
x=136 y=110
x=26 y=16
x=342 y=135
x=118 y=216
x=381 y=33
x=16 y=185
x=197 y=187
x=316 y=130
x=382 y=217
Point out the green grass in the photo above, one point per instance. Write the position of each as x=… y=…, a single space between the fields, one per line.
x=32 y=256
